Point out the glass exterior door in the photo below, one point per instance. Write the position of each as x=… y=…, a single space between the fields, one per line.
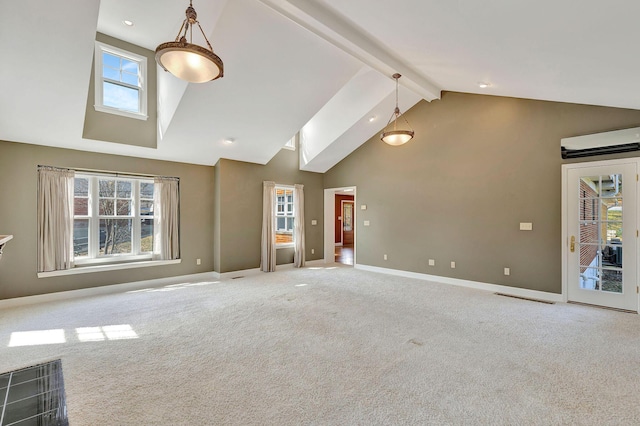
x=602 y=236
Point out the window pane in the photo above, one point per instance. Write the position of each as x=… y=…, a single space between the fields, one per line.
x=106 y=208
x=129 y=66
x=81 y=206
x=281 y=223
x=612 y=281
x=110 y=60
x=124 y=98
x=106 y=188
x=124 y=189
x=290 y=224
x=130 y=79
x=111 y=73
x=146 y=235
x=115 y=236
x=146 y=208
x=81 y=187
x=146 y=190
x=124 y=207
x=81 y=237
x=283 y=237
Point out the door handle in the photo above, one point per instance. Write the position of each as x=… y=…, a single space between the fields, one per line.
x=572 y=246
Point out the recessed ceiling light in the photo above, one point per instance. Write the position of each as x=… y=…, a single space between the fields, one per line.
x=483 y=84
x=229 y=141
x=128 y=23
x=372 y=119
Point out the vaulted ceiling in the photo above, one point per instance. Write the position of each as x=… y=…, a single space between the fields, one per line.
x=318 y=67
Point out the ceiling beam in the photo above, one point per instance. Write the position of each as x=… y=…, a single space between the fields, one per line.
x=343 y=34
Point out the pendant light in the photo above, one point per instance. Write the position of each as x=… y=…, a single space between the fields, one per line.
x=186 y=60
x=396 y=136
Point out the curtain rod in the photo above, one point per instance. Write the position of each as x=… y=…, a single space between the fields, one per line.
x=109 y=172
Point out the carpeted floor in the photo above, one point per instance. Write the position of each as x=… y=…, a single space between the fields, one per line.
x=331 y=346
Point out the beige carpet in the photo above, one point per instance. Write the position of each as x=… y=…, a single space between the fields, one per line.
x=331 y=346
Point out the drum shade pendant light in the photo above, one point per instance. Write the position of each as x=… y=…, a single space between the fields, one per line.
x=186 y=60
x=396 y=136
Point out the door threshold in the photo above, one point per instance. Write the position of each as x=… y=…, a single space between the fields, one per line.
x=627 y=311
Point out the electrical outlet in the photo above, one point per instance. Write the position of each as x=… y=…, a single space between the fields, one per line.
x=198 y=261
x=432 y=262
x=366 y=223
x=313 y=251
x=363 y=207
x=314 y=222
x=385 y=257
x=507 y=271
x=453 y=265
x=526 y=226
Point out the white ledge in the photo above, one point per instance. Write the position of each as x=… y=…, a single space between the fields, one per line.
x=5 y=238
x=103 y=268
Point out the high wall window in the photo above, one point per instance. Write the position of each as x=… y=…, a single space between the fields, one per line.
x=113 y=218
x=285 y=216
x=120 y=82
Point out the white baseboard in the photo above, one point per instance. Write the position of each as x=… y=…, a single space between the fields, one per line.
x=255 y=271
x=108 y=289
x=495 y=288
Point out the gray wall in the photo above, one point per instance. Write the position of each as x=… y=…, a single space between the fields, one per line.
x=477 y=167
x=240 y=203
x=18 y=192
x=103 y=126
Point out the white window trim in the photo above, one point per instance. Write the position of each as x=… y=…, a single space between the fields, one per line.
x=104 y=268
x=141 y=60
x=85 y=263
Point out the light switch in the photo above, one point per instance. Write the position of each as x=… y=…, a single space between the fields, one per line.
x=314 y=222
x=363 y=207
x=366 y=223
x=526 y=226
x=432 y=262
x=453 y=265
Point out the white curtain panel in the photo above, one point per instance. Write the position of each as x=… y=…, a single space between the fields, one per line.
x=268 y=243
x=166 y=219
x=55 y=219
x=298 y=226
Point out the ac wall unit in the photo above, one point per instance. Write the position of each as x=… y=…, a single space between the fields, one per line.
x=626 y=140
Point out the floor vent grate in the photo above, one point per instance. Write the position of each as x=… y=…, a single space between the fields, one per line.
x=526 y=298
x=33 y=396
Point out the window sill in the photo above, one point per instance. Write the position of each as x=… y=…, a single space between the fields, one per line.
x=103 y=268
x=286 y=245
x=115 y=111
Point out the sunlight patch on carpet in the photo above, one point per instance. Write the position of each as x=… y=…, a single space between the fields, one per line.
x=37 y=337
x=107 y=332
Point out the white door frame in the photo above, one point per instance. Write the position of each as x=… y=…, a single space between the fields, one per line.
x=330 y=224
x=565 y=224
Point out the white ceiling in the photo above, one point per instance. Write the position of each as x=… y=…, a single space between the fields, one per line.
x=296 y=63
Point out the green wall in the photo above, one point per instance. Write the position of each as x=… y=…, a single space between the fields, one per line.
x=240 y=202
x=477 y=167
x=18 y=192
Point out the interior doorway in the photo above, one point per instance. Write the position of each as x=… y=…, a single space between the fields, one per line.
x=340 y=225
